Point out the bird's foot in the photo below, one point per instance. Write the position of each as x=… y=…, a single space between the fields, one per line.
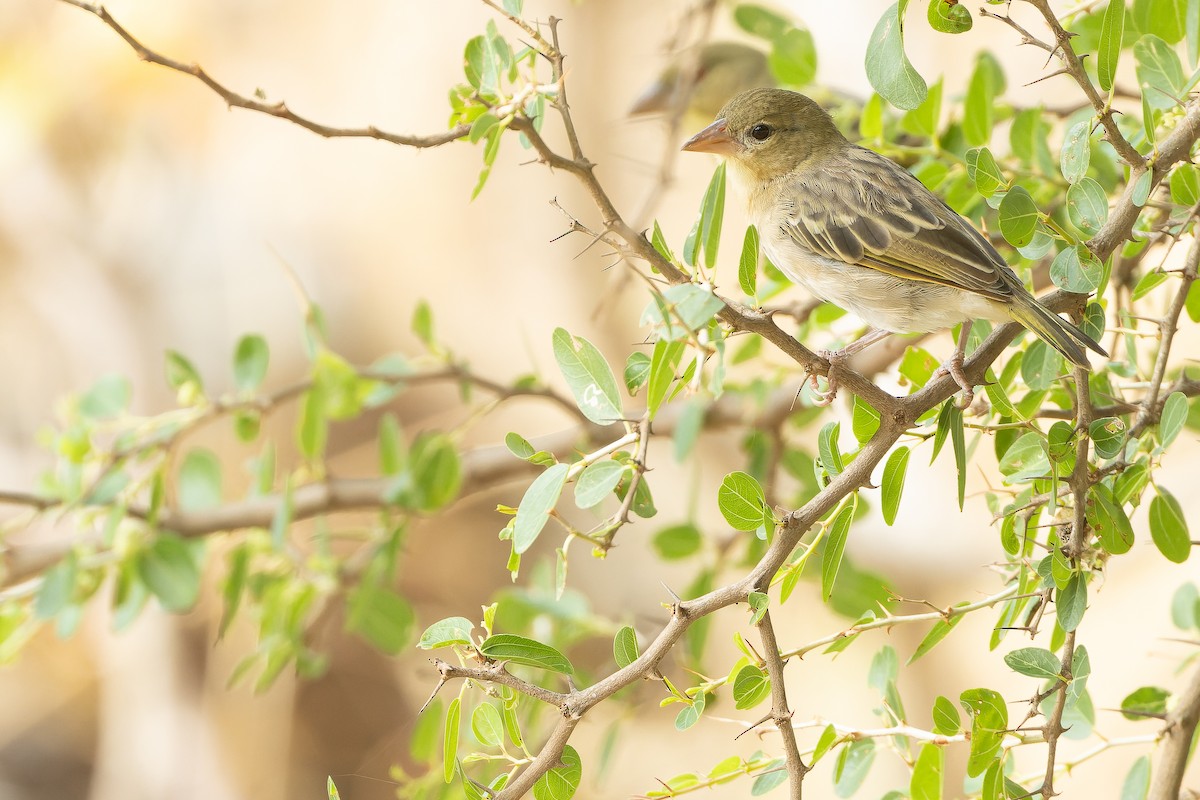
x=954 y=368
x=836 y=359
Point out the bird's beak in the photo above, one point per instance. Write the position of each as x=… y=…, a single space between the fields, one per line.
x=713 y=139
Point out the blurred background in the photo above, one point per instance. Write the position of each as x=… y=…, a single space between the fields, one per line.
x=138 y=213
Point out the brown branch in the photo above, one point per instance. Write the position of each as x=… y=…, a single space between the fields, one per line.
x=496 y=673
x=1174 y=148
x=1073 y=65
x=279 y=109
x=1177 y=742
x=1169 y=325
x=780 y=712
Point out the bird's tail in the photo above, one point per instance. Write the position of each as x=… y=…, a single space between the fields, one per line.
x=1056 y=331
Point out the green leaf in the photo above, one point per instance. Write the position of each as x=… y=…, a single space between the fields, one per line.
x=58 y=585
x=760 y=21
x=1168 y=527
x=422 y=323
x=562 y=780
x=434 y=475
x=1018 y=217
x=1075 y=269
x=1148 y=283
x=450 y=741
x=1112 y=31
x=1185 y=184
x=1087 y=205
x=946 y=719
x=183 y=378
x=1185 y=607
x=250 y=360
x=1159 y=72
x=748 y=263
x=199 y=480
x=712 y=213
x=1146 y=702
x=864 y=420
x=926 y=781
x=989 y=721
x=625 y=647
x=677 y=541
x=381 y=616
x=985 y=172
x=774 y=776
x=742 y=502
x=853 y=764
x=107 y=398
x=487 y=725
x=1076 y=151
x=835 y=544
x=1174 y=415
x=949 y=16
x=312 y=427
x=1025 y=459
x=691 y=712
x=1108 y=436
x=888 y=68
x=826 y=740
x=924 y=119
x=588 y=376
x=663 y=366
x=750 y=687
x=980 y=103
x=1137 y=780
x=1141 y=189
x=520 y=650
x=827 y=447
x=759 y=603
x=1163 y=18
x=170 y=568
x=534 y=509
x=331 y=790
x=893 y=483
x=1072 y=602
x=1028 y=136
x=958 y=440
x=597 y=482
x=1041 y=366
x=446 y=632
x=870 y=121
x=940 y=630
x=1107 y=518
x=637 y=371
x=793 y=57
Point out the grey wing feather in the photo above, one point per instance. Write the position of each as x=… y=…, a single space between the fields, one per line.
x=863 y=209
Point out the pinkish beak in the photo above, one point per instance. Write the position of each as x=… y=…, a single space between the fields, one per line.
x=713 y=139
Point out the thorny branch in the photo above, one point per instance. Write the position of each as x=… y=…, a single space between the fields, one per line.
x=780 y=712
x=897 y=414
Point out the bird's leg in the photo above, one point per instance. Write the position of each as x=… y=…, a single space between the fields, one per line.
x=837 y=358
x=954 y=366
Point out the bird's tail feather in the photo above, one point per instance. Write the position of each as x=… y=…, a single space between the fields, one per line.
x=1056 y=331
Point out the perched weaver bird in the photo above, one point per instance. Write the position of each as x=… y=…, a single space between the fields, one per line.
x=859 y=231
x=723 y=70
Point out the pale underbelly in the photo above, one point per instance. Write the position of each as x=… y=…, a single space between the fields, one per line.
x=881 y=300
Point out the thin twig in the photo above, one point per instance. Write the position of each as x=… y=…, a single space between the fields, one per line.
x=279 y=109
x=780 y=712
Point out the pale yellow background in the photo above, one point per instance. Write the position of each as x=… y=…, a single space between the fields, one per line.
x=137 y=214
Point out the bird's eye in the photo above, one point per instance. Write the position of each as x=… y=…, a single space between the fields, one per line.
x=761 y=132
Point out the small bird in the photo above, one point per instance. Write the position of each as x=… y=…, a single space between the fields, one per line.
x=723 y=69
x=859 y=231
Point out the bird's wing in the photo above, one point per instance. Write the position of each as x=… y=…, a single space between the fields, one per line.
x=865 y=209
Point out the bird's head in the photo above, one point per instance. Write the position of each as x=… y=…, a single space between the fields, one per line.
x=768 y=132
